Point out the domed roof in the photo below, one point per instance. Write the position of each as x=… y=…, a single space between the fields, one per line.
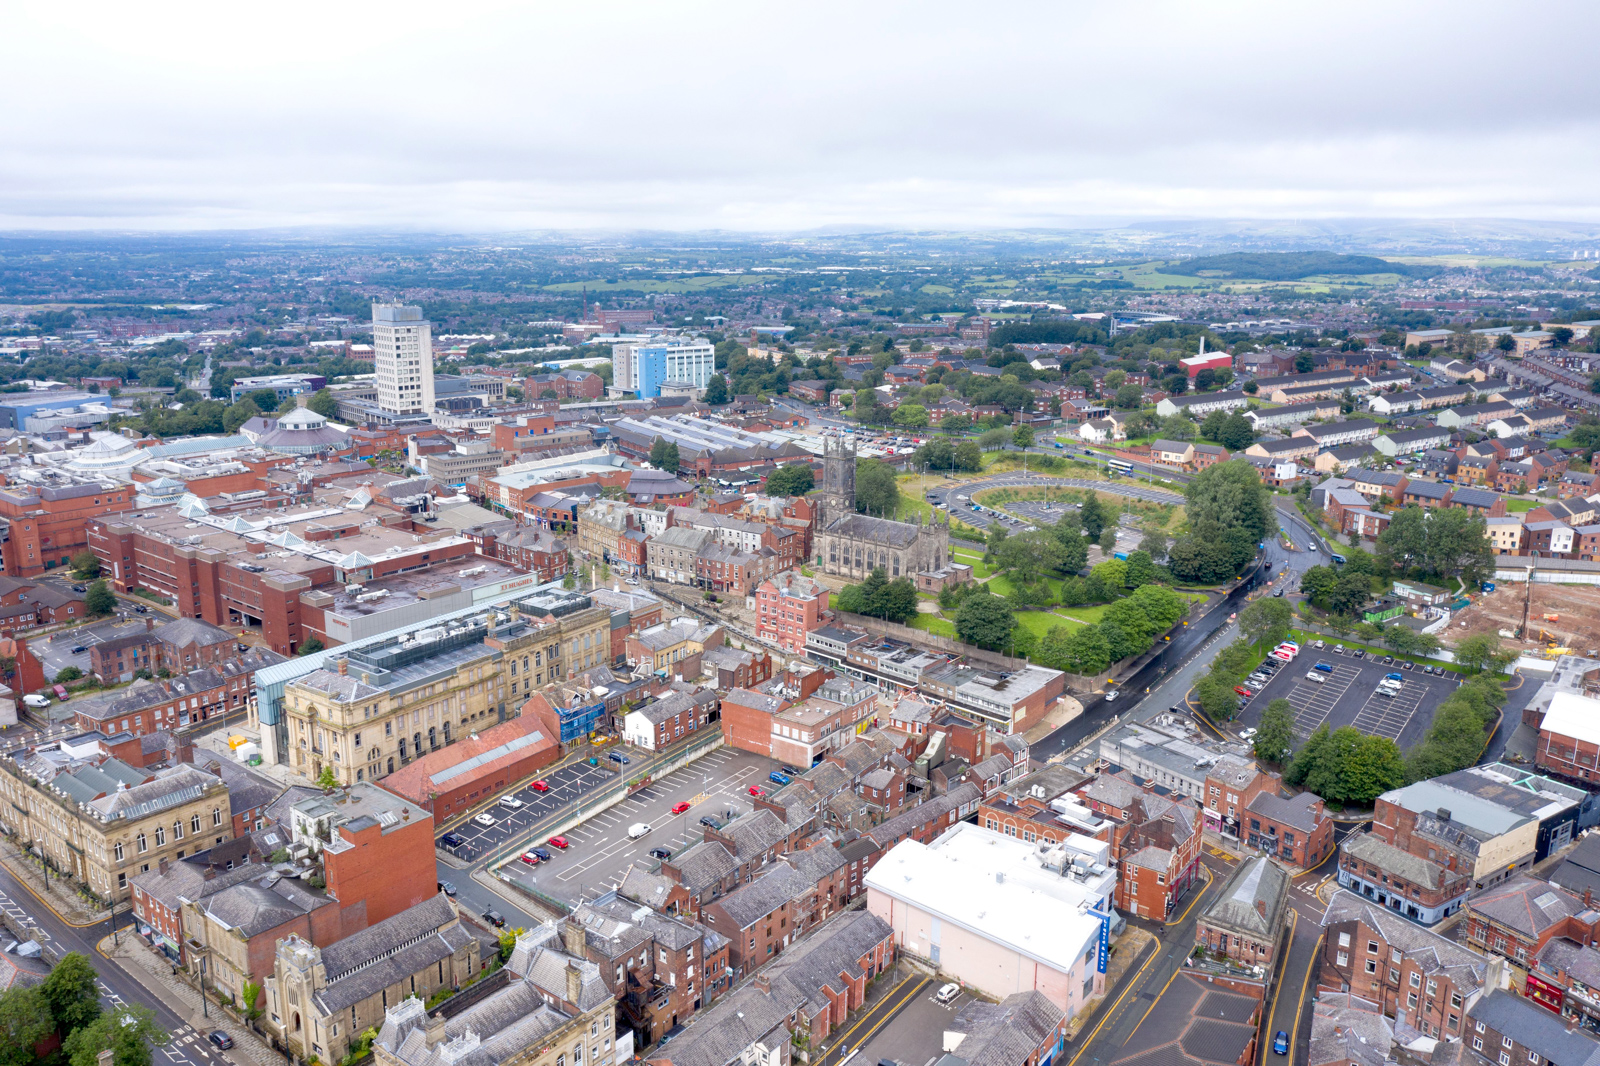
x=302 y=418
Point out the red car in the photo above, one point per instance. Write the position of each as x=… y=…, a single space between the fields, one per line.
x=754 y=791
x=540 y=786
x=530 y=858
x=679 y=808
x=558 y=842
x=1241 y=690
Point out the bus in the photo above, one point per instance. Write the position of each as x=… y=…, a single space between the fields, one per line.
x=1120 y=467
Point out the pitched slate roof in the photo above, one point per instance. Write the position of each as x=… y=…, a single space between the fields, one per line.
x=1431 y=952
x=1525 y=904
x=1535 y=1028
x=1256 y=883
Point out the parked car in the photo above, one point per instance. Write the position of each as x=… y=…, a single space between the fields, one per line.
x=679 y=808
x=660 y=853
x=559 y=843
x=530 y=858
x=638 y=829
x=947 y=995
x=34 y=700
x=451 y=840
x=1247 y=734
x=791 y=771
x=79 y=649
x=79 y=588
x=540 y=786
x=1326 y=668
x=495 y=918
x=544 y=856
x=1243 y=691
x=220 y=1039
x=757 y=790
x=1408 y=665
x=511 y=803
x=1393 y=677
x=777 y=778
x=1388 y=660
x=1312 y=675
x=1360 y=653
x=618 y=757
x=485 y=819
x=1317 y=644
x=710 y=822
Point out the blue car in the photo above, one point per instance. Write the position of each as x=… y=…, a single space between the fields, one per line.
x=777 y=778
x=450 y=840
x=1280 y=1043
x=618 y=757
x=1393 y=677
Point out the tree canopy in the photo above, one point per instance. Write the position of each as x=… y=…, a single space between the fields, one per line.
x=1229 y=513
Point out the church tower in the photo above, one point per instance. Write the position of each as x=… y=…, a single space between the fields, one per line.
x=838 y=479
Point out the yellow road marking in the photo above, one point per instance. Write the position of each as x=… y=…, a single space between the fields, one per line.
x=1116 y=1004
x=1192 y=902
x=839 y=1046
x=1304 y=986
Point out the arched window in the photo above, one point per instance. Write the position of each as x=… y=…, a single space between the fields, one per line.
x=161 y=836
x=139 y=841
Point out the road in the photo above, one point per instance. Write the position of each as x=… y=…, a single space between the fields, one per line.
x=188 y=1046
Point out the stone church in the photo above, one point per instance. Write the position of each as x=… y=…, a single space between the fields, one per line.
x=853 y=545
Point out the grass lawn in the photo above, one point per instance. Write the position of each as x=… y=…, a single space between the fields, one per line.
x=972 y=559
x=1349 y=644
x=934 y=624
x=1514 y=506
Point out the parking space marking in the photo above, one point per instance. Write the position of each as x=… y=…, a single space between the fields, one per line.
x=1388 y=716
x=1313 y=703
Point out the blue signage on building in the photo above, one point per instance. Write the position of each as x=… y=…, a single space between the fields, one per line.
x=1105 y=939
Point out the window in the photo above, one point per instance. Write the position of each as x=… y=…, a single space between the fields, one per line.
x=1416 y=979
x=1344 y=940
x=1477 y=1045
x=177 y=830
x=1372 y=947
x=1505 y=1041
x=1372 y=966
x=117 y=850
x=1344 y=959
x=194 y=823
x=216 y=816
x=140 y=842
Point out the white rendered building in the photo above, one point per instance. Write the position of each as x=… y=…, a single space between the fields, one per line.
x=402 y=358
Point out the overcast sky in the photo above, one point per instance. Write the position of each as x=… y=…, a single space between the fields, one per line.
x=763 y=116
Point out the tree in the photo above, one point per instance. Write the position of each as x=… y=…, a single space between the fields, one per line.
x=985 y=619
x=99 y=599
x=1178 y=427
x=1092 y=515
x=877 y=493
x=716 y=390
x=955 y=424
x=1237 y=433
x=1211 y=428
x=866 y=405
x=1141 y=570
x=239 y=414
x=1229 y=512
x=1350 y=593
x=67 y=673
x=1275 y=740
x=326 y=780
x=670 y=462
x=1266 y=621
x=911 y=415
x=658 y=453
x=1477 y=651
x=129 y=1032
x=323 y=403
x=1022 y=436
x=967 y=457
x=791 y=479
x=25 y=1022
x=70 y=991
x=1304 y=364
x=1217 y=697
x=86 y=564
x=1027 y=557
x=993 y=440
x=1346 y=768
x=895 y=601
x=1317 y=582
x=1128 y=397
x=311 y=646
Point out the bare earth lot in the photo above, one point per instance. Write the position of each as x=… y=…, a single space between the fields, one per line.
x=1576 y=626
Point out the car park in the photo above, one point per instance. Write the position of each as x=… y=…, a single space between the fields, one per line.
x=558 y=842
x=485 y=819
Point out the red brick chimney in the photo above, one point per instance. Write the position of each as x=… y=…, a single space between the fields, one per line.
x=344 y=667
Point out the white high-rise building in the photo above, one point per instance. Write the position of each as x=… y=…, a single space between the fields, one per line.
x=402 y=358
x=678 y=361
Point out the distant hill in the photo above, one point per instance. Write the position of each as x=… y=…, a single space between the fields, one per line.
x=1292 y=266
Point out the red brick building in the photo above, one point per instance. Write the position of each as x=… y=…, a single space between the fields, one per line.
x=381 y=857
x=1414 y=975
x=1504 y=919
x=506 y=754
x=788 y=606
x=523 y=548
x=47 y=523
x=182 y=702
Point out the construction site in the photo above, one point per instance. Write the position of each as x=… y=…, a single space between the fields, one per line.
x=1559 y=618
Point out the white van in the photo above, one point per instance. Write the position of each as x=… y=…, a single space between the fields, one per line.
x=34 y=700
x=637 y=830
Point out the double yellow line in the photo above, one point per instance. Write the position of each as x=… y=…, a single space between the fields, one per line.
x=842 y=1046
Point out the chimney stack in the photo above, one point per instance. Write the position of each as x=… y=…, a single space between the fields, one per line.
x=572 y=938
x=163 y=865
x=435 y=1030
x=574 y=983
x=344 y=667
